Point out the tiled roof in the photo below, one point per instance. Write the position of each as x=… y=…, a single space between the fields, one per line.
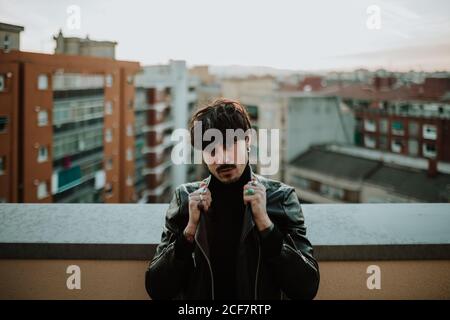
x=433 y=89
x=413 y=183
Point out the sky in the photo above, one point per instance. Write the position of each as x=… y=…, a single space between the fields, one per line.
x=287 y=34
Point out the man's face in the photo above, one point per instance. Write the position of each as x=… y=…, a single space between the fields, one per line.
x=227 y=162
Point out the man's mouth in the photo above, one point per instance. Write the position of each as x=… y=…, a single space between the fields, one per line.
x=226 y=169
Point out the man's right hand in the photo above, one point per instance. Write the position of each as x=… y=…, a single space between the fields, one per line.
x=199 y=200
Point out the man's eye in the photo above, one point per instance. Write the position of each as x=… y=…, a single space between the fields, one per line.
x=213 y=152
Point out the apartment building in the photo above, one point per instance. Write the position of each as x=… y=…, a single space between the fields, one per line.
x=63 y=121
x=84 y=46
x=411 y=119
x=10 y=36
x=165 y=98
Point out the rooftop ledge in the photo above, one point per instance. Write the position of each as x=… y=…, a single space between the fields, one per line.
x=132 y=231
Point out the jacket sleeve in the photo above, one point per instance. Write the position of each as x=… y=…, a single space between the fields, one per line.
x=290 y=254
x=168 y=269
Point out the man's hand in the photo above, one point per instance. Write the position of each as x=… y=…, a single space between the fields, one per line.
x=198 y=200
x=255 y=194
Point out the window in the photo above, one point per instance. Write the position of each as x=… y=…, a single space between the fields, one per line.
x=2 y=82
x=369 y=141
x=413 y=128
x=129 y=154
x=108 y=135
x=108 y=189
x=300 y=182
x=130 y=79
x=429 y=131
x=42 y=154
x=2 y=165
x=396 y=146
x=42 y=82
x=108 y=107
x=253 y=111
x=383 y=143
x=333 y=192
x=129 y=130
x=383 y=125
x=129 y=180
x=109 y=164
x=358 y=124
x=370 y=125
x=6 y=43
x=42 y=191
x=109 y=81
x=42 y=118
x=3 y=124
x=413 y=147
x=429 y=150
x=397 y=128
x=81 y=145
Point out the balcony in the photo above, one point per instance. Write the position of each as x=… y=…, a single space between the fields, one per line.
x=157 y=170
x=161 y=145
x=77 y=109
x=159 y=127
x=414 y=110
x=112 y=245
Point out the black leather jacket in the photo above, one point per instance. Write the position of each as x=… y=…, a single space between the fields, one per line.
x=293 y=273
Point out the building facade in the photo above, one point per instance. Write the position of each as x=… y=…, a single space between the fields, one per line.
x=62 y=130
x=336 y=174
x=84 y=47
x=412 y=119
x=10 y=37
x=165 y=98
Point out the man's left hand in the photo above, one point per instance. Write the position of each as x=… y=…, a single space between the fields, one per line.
x=255 y=194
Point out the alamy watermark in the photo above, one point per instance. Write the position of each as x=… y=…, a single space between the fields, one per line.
x=73 y=282
x=374 y=280
x=73 y=21
x=265 y=141
x=373 y=21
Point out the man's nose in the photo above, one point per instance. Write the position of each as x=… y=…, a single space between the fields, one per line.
x=228 y=157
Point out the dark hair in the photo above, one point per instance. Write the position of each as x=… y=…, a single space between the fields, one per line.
x=221 y=114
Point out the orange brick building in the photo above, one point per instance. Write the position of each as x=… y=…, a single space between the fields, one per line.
x=33 y=133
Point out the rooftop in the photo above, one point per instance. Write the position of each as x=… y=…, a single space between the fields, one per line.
x=324 y=161
x=11 y=27
x=432 y=89
x=113 y=243
x=83 y=231
x=410 y=182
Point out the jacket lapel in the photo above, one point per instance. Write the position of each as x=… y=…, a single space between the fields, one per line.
x=248 y=222
x=201 y=233
x=247 y=225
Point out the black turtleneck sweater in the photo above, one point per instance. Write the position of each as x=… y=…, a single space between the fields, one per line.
x=225 y=227
x=224 y=230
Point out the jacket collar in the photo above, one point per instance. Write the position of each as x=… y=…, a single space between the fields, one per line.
x=247 y=225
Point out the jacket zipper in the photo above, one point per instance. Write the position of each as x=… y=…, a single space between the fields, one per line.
x=298 y=253
x=170 y=246
x=210 y=269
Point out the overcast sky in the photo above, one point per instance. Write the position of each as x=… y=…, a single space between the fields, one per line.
x=292 y=34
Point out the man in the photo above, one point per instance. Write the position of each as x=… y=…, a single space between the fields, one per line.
x=234 y=235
